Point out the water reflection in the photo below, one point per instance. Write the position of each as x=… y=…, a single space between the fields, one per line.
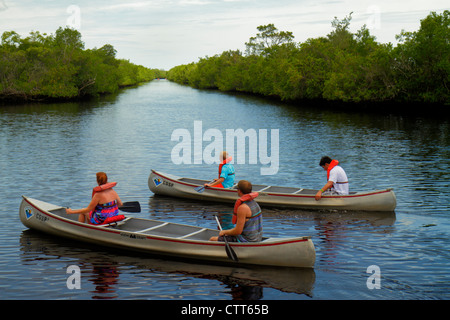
x=105 y=277
x=103 y=269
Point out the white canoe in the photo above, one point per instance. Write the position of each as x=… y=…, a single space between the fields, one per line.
x=171 y=185
x=164 y=238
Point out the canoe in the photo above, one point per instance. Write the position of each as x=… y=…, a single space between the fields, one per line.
x=166 y=238
x=274 y=196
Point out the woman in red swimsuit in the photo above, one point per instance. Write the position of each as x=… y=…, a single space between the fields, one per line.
x=105 y=202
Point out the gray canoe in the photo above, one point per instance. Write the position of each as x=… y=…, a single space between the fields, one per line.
x=165 y=238
x=273 y=196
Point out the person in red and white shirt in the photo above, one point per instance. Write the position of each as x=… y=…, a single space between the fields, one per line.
x=337 y=181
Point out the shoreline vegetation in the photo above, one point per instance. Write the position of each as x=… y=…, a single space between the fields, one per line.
x=56 y=67
x=344 y=68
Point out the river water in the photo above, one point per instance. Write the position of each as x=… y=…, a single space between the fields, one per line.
x=51 y=152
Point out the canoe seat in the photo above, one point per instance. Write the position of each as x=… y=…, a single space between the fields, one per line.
x=192 y=233
x=114 y=219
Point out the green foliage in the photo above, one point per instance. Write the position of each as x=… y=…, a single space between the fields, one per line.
x=343 y=66
x=43 y=66
x=423 y=60
x=268 y=39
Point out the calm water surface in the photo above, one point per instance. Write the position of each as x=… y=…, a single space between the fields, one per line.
x=52 y=151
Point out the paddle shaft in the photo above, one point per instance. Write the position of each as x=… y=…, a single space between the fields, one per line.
x=230 y=252
x=202 y=188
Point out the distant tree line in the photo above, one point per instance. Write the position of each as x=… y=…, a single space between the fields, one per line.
x=57 y=66
x=343 y=66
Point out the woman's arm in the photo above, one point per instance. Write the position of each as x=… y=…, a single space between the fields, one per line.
x=119 y=202
x=89 y=208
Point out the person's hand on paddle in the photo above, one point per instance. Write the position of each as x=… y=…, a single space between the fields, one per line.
x=210 y=183
x=222 y=233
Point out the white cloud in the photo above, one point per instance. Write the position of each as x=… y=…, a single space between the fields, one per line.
x=165 y=33
x=133 y=5
x=194 y=2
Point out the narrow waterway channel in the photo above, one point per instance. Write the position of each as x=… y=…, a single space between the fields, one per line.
x=52 y=152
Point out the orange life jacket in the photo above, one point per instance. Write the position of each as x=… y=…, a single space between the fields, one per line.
x=333 y=164
x=227 y=160
x=102 y=187
x=245 y=197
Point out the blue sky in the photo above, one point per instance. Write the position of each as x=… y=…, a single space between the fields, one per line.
x=166 y=33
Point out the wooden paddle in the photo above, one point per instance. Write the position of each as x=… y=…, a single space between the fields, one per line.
x=131 y=206
x=230 y=252
x=202 y=188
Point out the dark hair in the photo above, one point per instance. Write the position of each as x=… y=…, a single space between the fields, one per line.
x=245 y=186
x=324 y=160
x=102 y=178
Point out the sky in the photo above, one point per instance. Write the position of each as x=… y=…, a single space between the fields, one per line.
x=166 y=33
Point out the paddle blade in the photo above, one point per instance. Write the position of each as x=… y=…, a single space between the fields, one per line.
x=230 y=252
x=131 y=206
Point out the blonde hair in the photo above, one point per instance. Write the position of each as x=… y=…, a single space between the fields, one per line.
x=224 y=155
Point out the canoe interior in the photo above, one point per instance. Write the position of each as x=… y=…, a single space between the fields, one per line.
x=61 y=212
x=165 y=229
x=262 y=188
x=193 y=181
x=152 y=227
